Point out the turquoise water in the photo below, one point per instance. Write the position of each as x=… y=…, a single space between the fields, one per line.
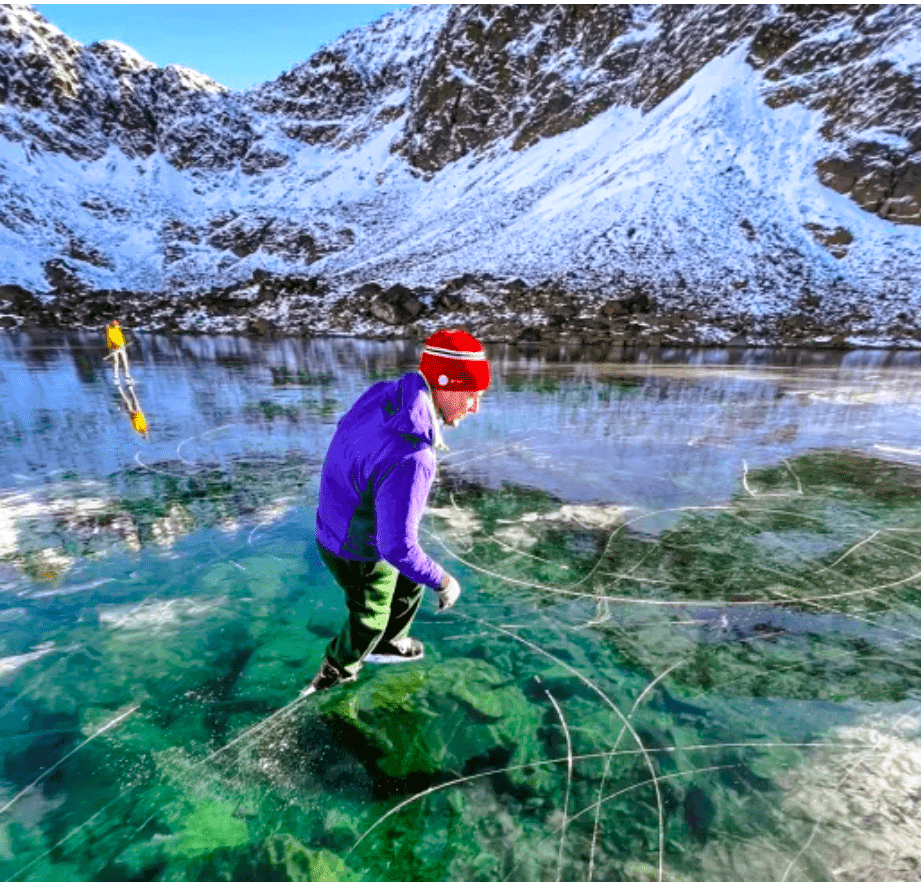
x=687 y=646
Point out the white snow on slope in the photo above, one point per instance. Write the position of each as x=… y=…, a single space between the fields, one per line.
x=905 y=54
x=682 y=176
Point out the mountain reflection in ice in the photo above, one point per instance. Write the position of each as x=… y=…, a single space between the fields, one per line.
x=686 y=647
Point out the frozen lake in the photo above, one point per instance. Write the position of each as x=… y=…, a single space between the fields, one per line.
x=685 y=650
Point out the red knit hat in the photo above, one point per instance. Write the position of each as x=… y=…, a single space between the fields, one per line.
x=454 y=361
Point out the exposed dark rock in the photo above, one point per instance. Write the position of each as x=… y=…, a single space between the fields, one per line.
x=175 y=230
x=62 y=275
x=562 y=316
x=19 y=307
x=487 y=76
x=613 y=309
x=809 y=301
x=100 y=207
x=878 y=179
x=296 y=241
x=836 y=240
x=398 y=305
x=239 y=310
x=530 y=334
x=260 y=158
x=289 y=287
x=450 y=302
x=344 y=92
x=385 y=312
x=87 y=254
x=260 y=327
x=489 y=79
x=14 y=296
x=464 y=281
x=774 y=38
x=369 y=289
x=638 y=301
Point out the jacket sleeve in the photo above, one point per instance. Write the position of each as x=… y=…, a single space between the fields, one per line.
x=399 y=501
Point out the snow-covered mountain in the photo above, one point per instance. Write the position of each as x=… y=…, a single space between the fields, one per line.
x=595 y=173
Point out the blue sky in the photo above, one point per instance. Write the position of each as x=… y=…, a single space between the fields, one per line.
x=238 y=45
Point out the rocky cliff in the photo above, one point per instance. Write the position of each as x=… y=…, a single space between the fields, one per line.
x=525 y=73
x=698 y=174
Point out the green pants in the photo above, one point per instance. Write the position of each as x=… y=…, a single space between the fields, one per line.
x=382 y=604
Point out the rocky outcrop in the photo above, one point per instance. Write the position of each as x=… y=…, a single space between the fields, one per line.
x=835 y=240
x=324 y=100
x=62 y=97
x=879 y=179
x=397 y=305
x=297 y=239
x=848 y=62
x=347 y=90
x=523 y=73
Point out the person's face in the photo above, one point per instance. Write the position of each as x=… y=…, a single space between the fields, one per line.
x=454 y=406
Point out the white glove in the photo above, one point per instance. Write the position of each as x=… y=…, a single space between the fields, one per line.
x=447 y=596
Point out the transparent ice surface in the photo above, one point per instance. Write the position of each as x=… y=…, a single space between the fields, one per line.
x=686 y=647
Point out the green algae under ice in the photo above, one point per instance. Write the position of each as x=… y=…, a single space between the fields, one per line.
x=687 y=646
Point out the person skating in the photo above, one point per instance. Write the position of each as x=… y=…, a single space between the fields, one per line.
x=374 y=486
x=115 y=341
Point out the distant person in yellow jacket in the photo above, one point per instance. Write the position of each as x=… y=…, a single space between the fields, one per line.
x=115 y=340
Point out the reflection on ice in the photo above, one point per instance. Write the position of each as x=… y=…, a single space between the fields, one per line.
x=898 y=452
x=855 y=814
x=589 y=517
x=28 y=812
x=45 y=532
x=13 y=663
x=156 y=616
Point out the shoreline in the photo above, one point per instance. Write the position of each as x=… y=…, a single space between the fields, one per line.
x=528 y=315
x=553 y=350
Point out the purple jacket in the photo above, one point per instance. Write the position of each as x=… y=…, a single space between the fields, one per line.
x=376 y=479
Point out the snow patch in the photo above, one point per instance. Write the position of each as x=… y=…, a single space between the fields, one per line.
x=905 y=55
x=882 y=136
x=194 y=80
